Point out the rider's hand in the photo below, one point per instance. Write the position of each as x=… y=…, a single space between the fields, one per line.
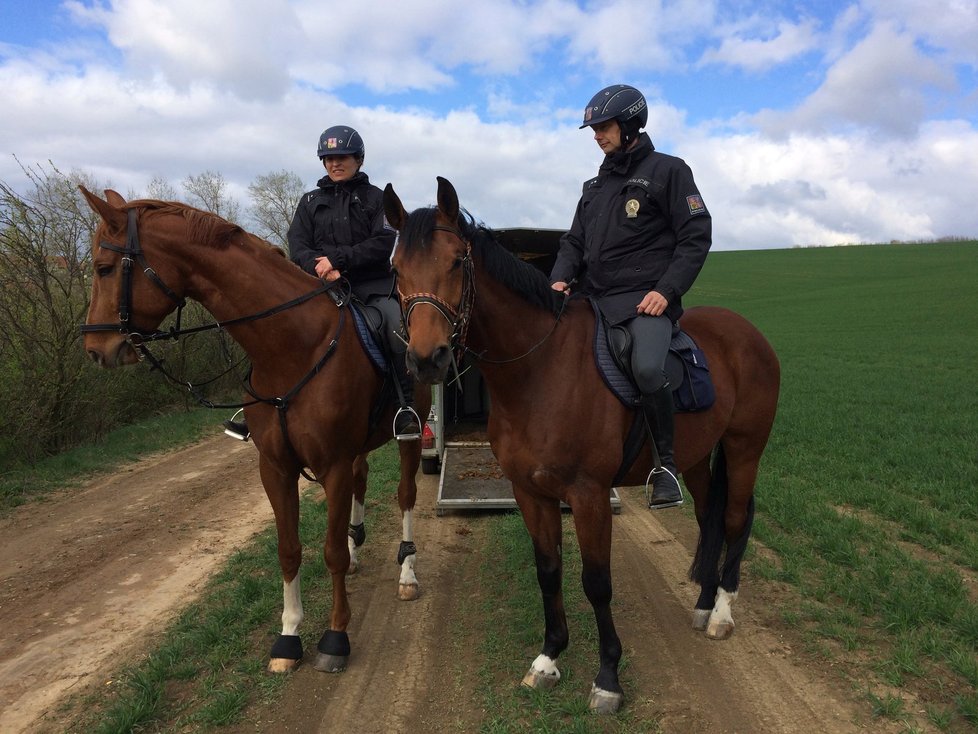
x=654 y=304
x=561 y=286
x=325 y=269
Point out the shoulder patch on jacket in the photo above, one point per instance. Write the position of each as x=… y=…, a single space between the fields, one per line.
x=695 y=203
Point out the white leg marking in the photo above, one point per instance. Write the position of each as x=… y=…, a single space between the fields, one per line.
x=407 y=526
x=721 y=623
x=546 y=665
x=408 y=577
x=291 y=607
x=356 y=513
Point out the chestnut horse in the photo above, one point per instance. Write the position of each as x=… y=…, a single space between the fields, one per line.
x=461 y=291
x=313 y=384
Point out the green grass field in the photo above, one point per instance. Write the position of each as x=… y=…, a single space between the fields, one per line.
x=867 y=509
x=868 y=494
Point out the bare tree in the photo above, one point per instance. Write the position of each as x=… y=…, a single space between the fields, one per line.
x=45 y=239
x=209 y=191
x=160 y=188
x=274 y=198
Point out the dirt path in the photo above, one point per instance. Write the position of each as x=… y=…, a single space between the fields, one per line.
x=87 y=578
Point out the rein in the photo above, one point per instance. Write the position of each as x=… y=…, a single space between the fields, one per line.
x=458 y=316
x=133 y=253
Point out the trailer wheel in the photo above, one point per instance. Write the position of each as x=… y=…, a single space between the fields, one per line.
x=430 y=464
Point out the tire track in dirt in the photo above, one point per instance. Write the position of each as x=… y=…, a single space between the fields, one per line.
x=88 y=576
x=751 y=682
x=399 y=677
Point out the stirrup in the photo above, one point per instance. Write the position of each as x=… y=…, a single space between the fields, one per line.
x=649 y=495
x=237 y=429
x=407 y=436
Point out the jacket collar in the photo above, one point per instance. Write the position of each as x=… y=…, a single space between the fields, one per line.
x=621 y=162
x=328 y=184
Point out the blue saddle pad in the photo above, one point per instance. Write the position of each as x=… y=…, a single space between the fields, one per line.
x=686 y=370
x=367 y=332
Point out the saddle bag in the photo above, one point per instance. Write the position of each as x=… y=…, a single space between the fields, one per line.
x=695 y=391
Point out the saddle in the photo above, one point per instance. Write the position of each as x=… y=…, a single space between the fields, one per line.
x=686 y=367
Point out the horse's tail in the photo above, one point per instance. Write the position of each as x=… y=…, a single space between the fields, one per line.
x=705 y=567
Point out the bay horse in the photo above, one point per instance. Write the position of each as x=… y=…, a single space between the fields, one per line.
x=463 y=292
x=313 y=386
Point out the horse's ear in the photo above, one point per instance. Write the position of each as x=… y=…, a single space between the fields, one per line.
x=114 y=216
x=447 y=199
x=114 y=198
x=393 y=208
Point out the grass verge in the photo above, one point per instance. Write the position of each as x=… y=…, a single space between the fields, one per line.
x=121 y=446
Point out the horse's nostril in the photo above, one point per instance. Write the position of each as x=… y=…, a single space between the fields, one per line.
x=442 y=357
x=96 y=356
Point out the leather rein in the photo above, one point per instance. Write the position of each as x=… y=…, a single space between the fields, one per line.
x=132 y=254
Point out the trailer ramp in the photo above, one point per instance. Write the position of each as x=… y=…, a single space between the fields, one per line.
x=472 y=480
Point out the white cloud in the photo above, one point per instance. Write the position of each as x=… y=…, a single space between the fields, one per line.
x=786 y=41
x=239 y=45
x=243 y=91
x=950 y=25
x=880 y=84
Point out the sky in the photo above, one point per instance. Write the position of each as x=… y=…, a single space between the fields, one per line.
x=805 y=123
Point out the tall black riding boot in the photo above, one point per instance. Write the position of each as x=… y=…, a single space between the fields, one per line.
x=657 y=407
x=407 y=423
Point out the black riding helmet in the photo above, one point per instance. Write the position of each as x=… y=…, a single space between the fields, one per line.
x=622 y=103
x=341 y=140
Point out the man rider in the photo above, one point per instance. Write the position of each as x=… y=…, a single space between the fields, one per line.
x=639 y=238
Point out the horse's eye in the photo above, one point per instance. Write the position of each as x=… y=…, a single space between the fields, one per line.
x=458 y=262
x=104 y=271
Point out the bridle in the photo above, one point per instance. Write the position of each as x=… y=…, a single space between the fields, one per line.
x=132 y=253
x=458 y=317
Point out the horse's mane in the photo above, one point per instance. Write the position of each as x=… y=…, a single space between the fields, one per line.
x=202 y=226
x=520 y=277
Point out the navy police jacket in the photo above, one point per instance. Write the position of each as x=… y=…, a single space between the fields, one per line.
x=345 y=222
x=640 y=225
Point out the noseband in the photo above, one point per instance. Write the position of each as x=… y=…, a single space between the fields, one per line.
x=456 y=316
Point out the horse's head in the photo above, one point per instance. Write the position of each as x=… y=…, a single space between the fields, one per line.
x=130 y=297
x=433 y=264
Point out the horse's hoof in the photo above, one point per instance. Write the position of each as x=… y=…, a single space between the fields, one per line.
x=330 y=663
x=282 y=665
x=540 y=681
x=604 y=702
x=720 y=630
x=408 y=592
x=354 y=567
x=701 y=617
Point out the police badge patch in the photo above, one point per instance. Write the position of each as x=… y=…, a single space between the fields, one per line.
x=695 y=203
x=631 y=208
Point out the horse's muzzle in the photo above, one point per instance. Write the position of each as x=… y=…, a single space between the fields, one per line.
x=113 y=355
x=431 y=369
